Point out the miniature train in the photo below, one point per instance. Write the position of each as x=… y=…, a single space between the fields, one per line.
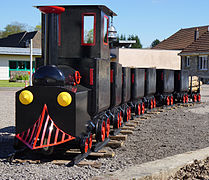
x=79 y=93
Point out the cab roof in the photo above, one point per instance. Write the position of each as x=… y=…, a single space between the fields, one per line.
x=104 y=8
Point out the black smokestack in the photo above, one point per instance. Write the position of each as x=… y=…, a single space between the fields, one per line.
x=51 y=39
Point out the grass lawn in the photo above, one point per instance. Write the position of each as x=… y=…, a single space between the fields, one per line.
x=6 y=83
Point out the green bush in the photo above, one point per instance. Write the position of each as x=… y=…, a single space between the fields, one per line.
x=18 y=77
x=26 y=77
x=21 y=77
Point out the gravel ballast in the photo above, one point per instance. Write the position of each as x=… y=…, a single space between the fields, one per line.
x=196 y=170
x=166 y=134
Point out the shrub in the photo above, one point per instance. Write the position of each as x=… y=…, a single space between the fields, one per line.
x=26 y=77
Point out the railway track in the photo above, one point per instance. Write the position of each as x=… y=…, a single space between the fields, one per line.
x=73 y=156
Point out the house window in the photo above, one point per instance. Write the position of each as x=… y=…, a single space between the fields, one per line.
x=88 y=29
x=187 y=61
x=20 y=66
x=203 y=62
x=12 y=65
x=105 y=32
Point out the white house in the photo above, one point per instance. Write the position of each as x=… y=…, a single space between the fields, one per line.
x=15 y=53
x=16 y=60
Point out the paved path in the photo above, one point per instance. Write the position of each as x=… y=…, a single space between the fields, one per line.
x=160 y=169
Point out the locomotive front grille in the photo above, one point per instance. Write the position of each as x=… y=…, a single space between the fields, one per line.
x=44 y=133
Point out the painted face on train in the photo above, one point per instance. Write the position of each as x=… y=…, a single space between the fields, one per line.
x=45 y=112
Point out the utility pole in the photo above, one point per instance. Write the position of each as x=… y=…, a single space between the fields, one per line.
x=31 y=61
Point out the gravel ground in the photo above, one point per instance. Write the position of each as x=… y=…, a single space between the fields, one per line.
x=7 y=111
x=196 y=170
x=165 y=134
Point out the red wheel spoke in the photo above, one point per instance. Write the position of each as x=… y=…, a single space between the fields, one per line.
x=108 y=128
x=103 y=131
x=86 y=145
x=168 y=101
x=90 y=141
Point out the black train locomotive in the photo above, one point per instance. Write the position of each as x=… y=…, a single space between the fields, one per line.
x=78 y=93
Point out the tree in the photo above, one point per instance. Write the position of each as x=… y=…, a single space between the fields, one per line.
x=38 y=28
x=12 y=29
x=155 y=42
x=123 y=37
x=136 y=38
x=131 y=37
x=89 y=36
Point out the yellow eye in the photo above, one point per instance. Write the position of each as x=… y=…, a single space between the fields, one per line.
x=64 y=99
x=26 y=97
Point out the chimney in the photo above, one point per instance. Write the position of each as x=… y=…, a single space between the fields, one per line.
x=51 y=33
x=196 y=34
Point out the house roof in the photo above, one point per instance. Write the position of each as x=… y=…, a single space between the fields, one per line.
x=19 y=51
x=200 y=46
x=17 y=40
x=181 y=39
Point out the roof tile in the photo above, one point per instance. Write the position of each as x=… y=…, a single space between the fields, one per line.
x=200 y=45
x=181 y=39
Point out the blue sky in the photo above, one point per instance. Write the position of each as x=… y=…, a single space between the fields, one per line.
x=149 y=19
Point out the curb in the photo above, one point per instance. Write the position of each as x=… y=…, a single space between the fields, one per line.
x=10 y=88
x=157 y=170
x=6 y=138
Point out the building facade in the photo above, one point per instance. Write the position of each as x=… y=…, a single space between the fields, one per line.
x=194 y=45
x=15 y=54
x=194 y=57
x=16 y=61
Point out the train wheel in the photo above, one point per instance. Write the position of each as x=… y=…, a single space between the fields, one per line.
x=116 y=122
x=168 y=101
x=84 y=144
x=184 y=99
x=198 y=97
x=143 y=108
x=151 y=104
x=100 y=134
x=90 y=141
x=107 y=128
x=195 y=98
x=139 y=109
x=125 y=116
x=171 y=100
x=155 y=104
x=120 y=123
x=129 y=113
x=187 y=99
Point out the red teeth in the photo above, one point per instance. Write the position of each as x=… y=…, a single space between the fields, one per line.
x=44 y=133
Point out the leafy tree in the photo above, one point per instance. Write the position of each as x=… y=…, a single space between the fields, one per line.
x=118 y=37
x=38 y=28
x=122 y=37
x=137 y=44
x=131 y=37
x=89 y=36
x=12 y=29
x=155 y=42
